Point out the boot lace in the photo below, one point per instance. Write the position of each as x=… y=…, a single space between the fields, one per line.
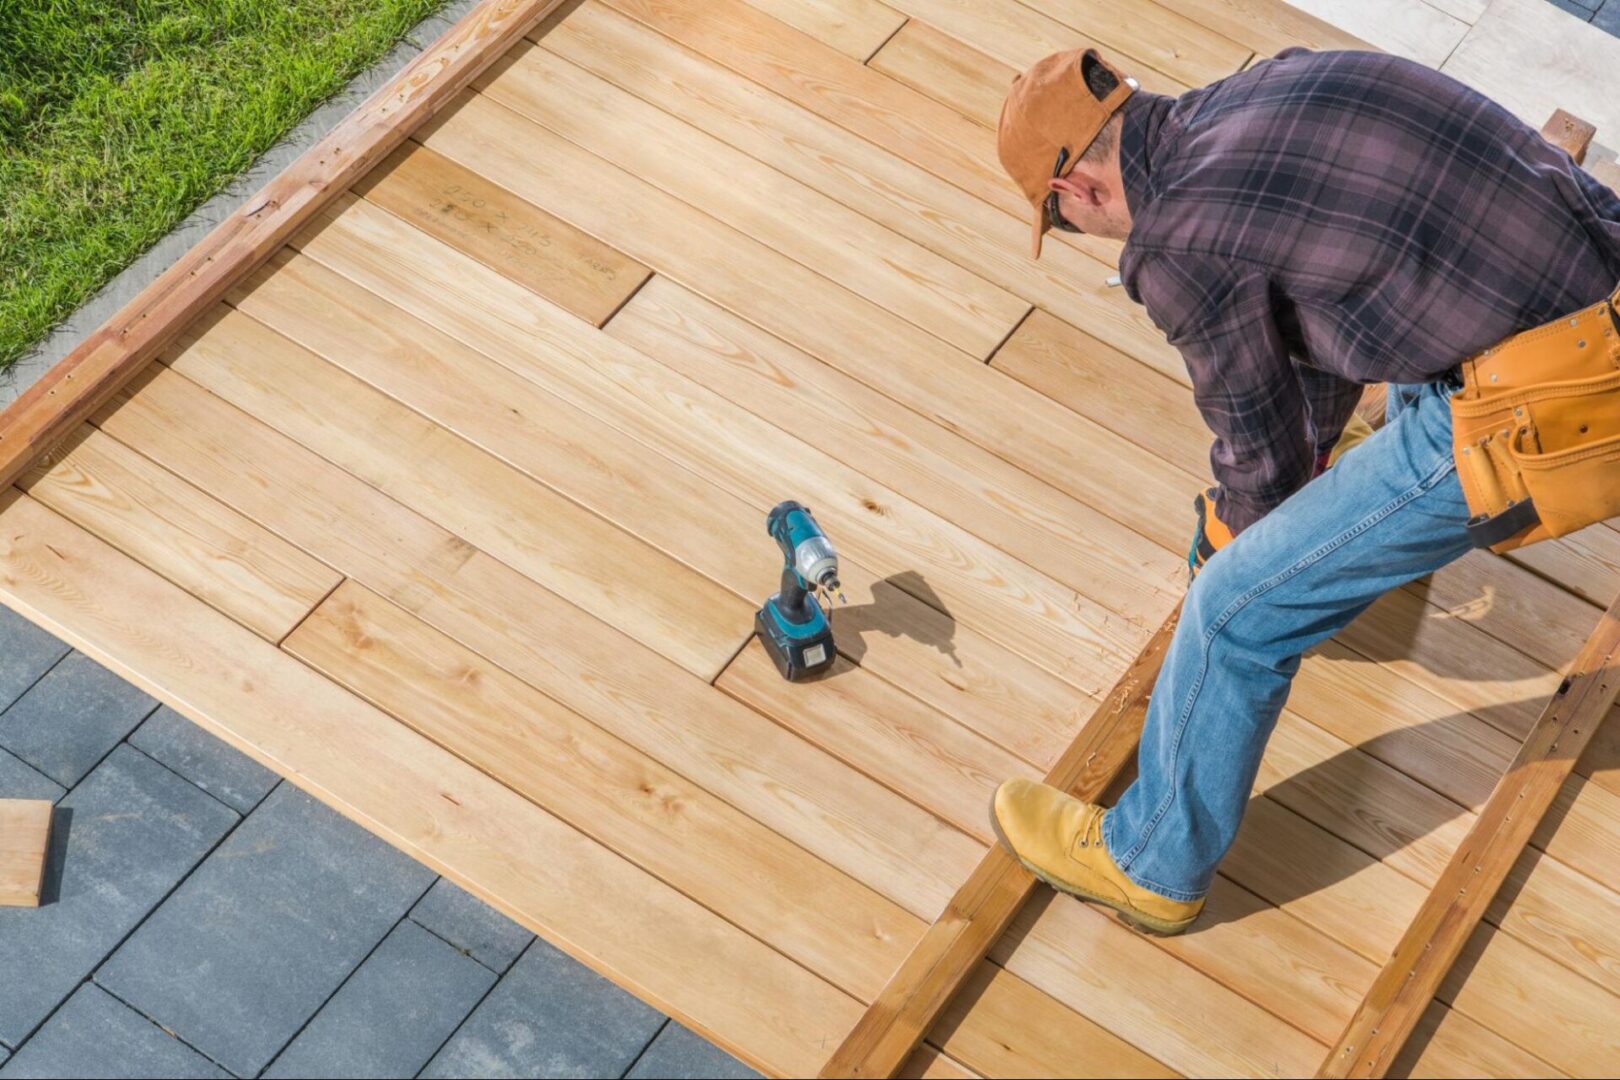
x=1091 y=831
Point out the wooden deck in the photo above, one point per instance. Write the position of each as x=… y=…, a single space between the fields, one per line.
x=453 y=513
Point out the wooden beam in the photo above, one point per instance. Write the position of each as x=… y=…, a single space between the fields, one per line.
x=25 y=837
x=1569 y=133
x=987 y=902
x=105 y=361
x=1453 y=908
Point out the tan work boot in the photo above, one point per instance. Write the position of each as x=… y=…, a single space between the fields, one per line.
x=1058 y=838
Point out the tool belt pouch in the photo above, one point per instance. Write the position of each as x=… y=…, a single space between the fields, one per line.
x=1536 y=430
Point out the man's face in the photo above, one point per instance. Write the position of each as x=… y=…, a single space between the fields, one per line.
x=1093 y=199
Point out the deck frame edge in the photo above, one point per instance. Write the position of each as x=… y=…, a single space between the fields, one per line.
x=113 y=354
x=985 y=905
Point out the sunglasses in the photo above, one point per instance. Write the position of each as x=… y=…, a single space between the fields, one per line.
x=1054 y=216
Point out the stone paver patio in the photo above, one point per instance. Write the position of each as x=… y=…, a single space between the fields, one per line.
x=206 y=919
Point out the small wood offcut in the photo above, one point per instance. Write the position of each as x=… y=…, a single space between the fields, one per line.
x=436 y=481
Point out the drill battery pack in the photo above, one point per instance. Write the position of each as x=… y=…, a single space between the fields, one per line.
x=798 y=649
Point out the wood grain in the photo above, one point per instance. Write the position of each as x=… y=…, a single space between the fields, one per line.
x=106 y=360
x=427 y=802
x=626 y=800
x=928 y=290
x=823 y=142
x=212 y=552
x=645 y=699
x=990 y=899
x=575 y=270
x=1459 y=899
x=25 y=840
x=951 y=72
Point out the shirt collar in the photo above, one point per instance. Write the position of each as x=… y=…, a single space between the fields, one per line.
x=1140 y=138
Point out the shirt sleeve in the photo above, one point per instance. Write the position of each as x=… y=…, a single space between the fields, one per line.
x=1329 y=401
x=1218 y=314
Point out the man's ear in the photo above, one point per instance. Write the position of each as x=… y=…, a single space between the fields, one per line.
x=1080 y=184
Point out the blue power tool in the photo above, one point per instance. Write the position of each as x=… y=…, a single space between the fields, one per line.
x=796 y=632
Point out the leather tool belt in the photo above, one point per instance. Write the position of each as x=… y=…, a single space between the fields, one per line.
x=1536 y=430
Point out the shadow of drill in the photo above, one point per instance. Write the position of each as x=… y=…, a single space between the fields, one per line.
x=903 y=605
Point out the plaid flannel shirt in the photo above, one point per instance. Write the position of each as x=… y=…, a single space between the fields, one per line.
x=1326 y=220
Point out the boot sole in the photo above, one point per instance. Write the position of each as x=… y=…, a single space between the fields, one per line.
x=1130 y=916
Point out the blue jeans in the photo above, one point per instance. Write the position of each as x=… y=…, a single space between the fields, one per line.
x=1390 y=511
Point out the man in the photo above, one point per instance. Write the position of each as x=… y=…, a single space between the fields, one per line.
x=1316 y=223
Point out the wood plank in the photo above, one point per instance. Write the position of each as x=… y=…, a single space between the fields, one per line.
x=25 y=842
x=893 y=738
x=987 y=902
x=627 y=801
x=212 y=552
x=1569 y=133
x=877 y=179
x=928 y=1063
x=1030 y=520
x=903 y=278
x=1269 y=26
x=1447 y=1044
x=1003 y=1026
x=912 y=643
x=75 y=387
x=1123 y=981
x=648 y=701
x=1322 y=880
x=1452 y=659
x=663 y=947
x=575 y=270
x=1019 y=424
x=1096 y=380
x=932 y=62
x=1535 y=1003
x=1459 y=899
x=486 y=502
x=1562 y=913
x=1142 y=34
x=1586 y=563
x=855 y=28
x=851 y=95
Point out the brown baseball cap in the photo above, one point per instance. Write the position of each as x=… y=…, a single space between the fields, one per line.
x=1049 y=110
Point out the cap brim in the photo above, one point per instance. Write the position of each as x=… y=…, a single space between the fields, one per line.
x=1039 y=230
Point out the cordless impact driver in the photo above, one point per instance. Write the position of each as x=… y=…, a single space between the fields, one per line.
x=795 y=630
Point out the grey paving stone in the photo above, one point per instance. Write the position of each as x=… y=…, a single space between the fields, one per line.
x=394 y=1012
x=1579 y=10
x=69 y=719
x=20 y=780
x=1608 y=17
x=471 y=925
x=212 y=764
x=251 y=945
x=122 y=839
x=95 y=1034
x=678 y=1052
x=549 y=1016
x=26 y=653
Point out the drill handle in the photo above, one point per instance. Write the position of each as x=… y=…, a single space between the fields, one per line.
x=792 y=593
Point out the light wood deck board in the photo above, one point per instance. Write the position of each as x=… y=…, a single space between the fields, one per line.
x=423 y=799
x=920 y=646
x=628 y=689
x=235 y=565
x=441 y=420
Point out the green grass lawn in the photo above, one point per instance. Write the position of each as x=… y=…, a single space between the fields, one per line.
x=119 y=117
